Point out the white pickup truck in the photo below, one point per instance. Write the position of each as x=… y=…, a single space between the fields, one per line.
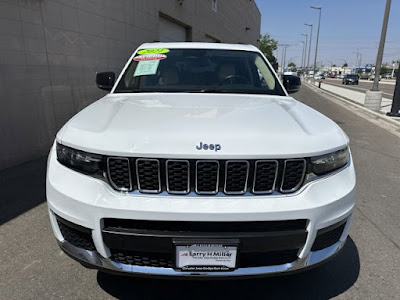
x=199 y=164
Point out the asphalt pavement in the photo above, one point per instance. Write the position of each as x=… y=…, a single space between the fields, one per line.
x=386 y=87
x=33 y=267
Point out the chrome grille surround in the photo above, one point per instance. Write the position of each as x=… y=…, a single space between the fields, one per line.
x=207 y=177
x=113 y=184
x=138 y=176
x=270 y=191
x=282 y=190
x=169 y=190
x=211 y=192
x=243 y=191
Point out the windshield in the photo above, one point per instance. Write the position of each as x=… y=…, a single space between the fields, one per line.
x=198 y=70
x=352 y=76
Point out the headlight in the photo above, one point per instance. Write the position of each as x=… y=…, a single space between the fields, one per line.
x=327 y=163
x=79 y=160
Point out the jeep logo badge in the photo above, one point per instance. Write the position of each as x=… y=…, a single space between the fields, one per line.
x=215 y=147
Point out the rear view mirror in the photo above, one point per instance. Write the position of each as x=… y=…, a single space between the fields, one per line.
x=105 y=80
x=291 y=83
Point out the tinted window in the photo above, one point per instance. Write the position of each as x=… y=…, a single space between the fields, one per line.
x=199 y=70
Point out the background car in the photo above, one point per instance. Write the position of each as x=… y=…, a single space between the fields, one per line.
x=350 y=79
x=372 y=77
x=388 y=75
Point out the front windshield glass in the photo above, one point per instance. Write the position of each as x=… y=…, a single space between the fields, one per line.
x=199 y=70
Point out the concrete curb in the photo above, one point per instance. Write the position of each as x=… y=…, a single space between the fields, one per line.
x=365 y=111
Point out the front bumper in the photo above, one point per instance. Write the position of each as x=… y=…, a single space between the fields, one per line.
x=93 y=259
x=87 y=202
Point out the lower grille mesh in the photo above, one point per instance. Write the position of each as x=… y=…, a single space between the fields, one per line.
x=327 y=238
x=79 y=238
x=136 y=258
x=164 y=260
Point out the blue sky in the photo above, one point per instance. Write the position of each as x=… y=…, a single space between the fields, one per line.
x=345 y=27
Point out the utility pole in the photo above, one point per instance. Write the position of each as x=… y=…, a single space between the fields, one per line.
x=373 y=98
x=316 y=46
x=309 y=45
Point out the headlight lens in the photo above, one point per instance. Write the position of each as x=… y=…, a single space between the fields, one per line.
x=327 y=163
x=79 y=160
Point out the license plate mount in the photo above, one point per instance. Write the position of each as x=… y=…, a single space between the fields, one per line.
x=206 y=255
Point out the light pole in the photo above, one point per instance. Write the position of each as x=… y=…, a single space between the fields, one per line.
x=316 y=46
x=284 y=46
x=358 y=59
x=345 y=63
x=302 y=55
x=284 y=56
x=373 y=98
x=309 y=45
x=330 y=71
x=305 y=51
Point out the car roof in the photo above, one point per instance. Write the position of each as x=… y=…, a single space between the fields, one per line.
x=197 y=45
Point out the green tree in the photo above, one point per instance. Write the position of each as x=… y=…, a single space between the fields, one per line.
x=267 y=46
x=292 y=66
x=334 y=65
x=384 y=70
x=345 y=65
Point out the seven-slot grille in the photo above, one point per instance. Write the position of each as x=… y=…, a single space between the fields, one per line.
x=206 y=177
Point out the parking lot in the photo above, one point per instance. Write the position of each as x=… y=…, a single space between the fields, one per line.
x=367 y=268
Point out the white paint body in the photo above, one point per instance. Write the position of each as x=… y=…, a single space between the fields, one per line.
x=171 y=125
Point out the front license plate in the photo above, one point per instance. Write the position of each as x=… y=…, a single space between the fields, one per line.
x=206 y=257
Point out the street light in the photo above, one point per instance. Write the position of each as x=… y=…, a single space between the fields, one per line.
x=305 y=51
x=284 y=56
x=373 y=98
x=302 y=55
x=358 y=59
x=316 y=46
x=331 y=65
x=309 y=45
x=284 y=46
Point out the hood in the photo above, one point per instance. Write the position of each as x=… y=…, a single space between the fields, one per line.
x=173 y=125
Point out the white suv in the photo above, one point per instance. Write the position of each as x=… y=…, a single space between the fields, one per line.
x=199 y=164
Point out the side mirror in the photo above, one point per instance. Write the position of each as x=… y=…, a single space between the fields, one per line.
x=105 y=80
x=291 y=83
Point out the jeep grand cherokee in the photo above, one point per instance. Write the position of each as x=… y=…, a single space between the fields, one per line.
x=199 y=164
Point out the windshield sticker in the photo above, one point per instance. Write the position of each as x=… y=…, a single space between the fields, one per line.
x=153 y=51
x=147 y=67
x=146 y=57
